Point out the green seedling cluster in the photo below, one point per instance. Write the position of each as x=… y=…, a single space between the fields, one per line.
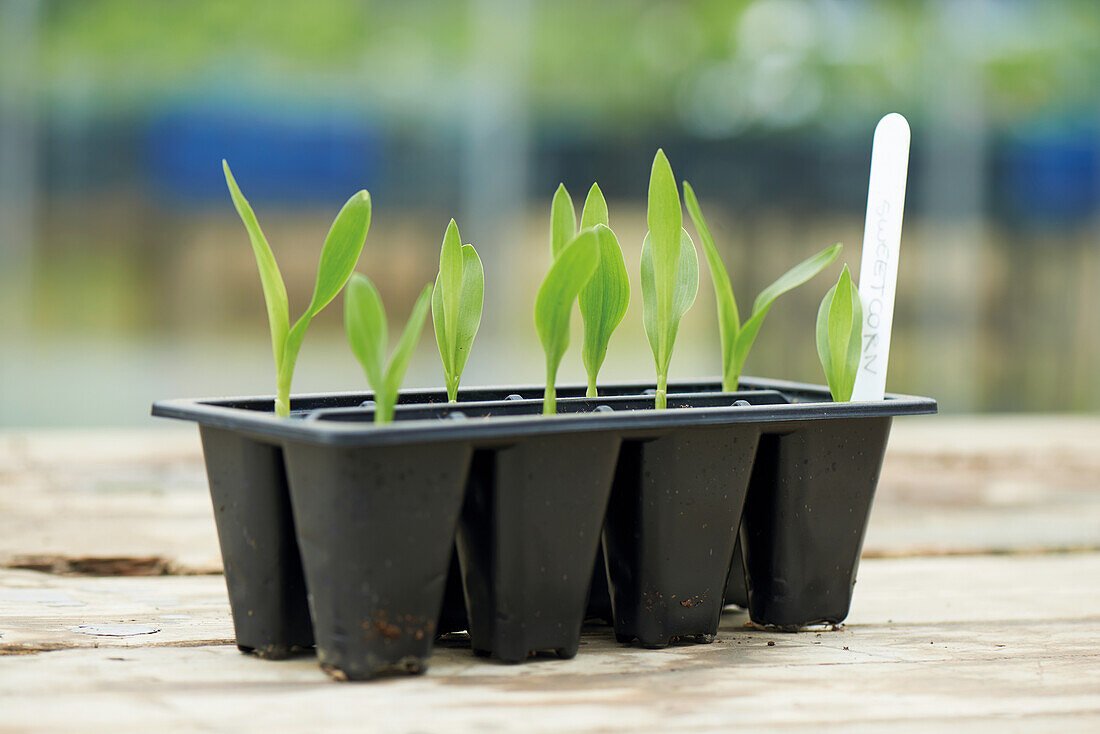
x=457 y=299
x=670 y=270
x=339 y=254
x=588 y=268
x=365 y=324
x=737 y=338
x=604 y=298
x=839 y=336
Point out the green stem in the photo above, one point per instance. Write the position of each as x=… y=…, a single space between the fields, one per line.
x=592 y=387
x=383 y=409
x=282 y=397
x=660 y=402
x=730 y=382
x=549 y=398
x=452 y=390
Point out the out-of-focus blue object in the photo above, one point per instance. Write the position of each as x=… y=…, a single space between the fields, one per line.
x=1052 y=174
x=278 y=157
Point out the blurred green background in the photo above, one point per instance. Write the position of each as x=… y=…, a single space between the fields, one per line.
x=125 y=275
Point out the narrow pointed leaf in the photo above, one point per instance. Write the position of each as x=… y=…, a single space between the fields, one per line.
x=665 y=221
x=567 y=276
x=341 y=250
x=822 y=335
x=365 y=325
x=463 y=321
x=278 y=311
x=406 y=345
x=685 y=288
x=796 y=276
x=470 y=305
x=729 y=322
x=450 y=281
x=595 y=209
x=790 y=280
x=649 y=302
x=563 y=221
x=603 y=300
x=840 y=321
x=439 y=321
x=839 y=340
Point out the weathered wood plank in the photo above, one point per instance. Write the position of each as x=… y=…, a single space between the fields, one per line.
x=949 y=485
x=966 y=643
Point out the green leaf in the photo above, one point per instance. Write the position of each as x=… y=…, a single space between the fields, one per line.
x=365 y=326
x=341 y=250
x=595 y=209
x=796 y=276
x=563 y=221
x=729 y=322
x=467 y=319
x=665 y=221
x=603 y=301
x=790 y=280
x=402 y=353
x=839 y=336
x=278 y=310
x=570 y=272
x=470 y=306
x=450 y=282
x=684 y=290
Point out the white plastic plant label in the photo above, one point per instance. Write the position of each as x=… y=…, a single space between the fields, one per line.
x=878 y=269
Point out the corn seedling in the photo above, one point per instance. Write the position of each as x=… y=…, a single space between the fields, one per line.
x=457 y=300
x=737 y=338
x=605 y=298
x=670 y=270
x=339 y=254
x=365 y=324
x=839 y=336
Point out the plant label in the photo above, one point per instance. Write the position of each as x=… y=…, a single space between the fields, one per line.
x=878 y=270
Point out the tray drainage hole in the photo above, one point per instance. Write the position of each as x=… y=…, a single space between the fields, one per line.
x=604 y=409
x=514 y=396
x=456 y=415
x=366 y=404
x=742 y=403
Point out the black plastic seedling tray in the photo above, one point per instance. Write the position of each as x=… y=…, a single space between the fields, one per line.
x=526 y=501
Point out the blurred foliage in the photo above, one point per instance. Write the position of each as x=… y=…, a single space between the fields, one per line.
x=714 y=66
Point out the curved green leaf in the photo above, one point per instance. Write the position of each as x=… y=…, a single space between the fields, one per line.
x=439 y=325
x=563 y=221
x=665 y=221
x=796 y=276
x=839 y=336
x=603 y=302
x=570 y=272
x=366 y=329
x=790 y=280
x=450 y=289
x=470 y=306
x=278 y=310
x=341 y=250
x=729 y=322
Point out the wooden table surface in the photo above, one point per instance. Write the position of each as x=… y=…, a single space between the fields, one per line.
x=977 y=608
